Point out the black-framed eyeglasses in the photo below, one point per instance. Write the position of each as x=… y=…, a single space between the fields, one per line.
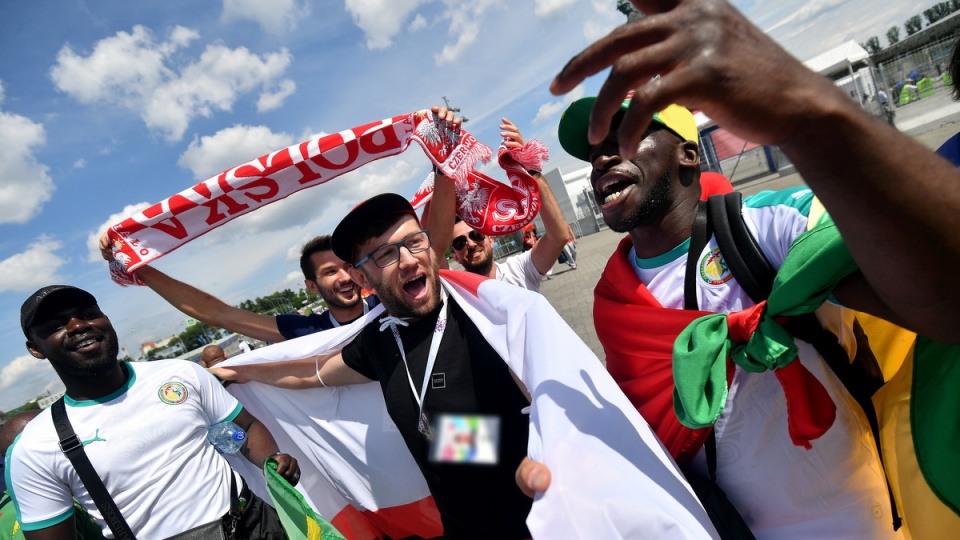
x=388 y=254
x=461 y=241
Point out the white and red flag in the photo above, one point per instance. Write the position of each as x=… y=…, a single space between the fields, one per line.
x=611 y=477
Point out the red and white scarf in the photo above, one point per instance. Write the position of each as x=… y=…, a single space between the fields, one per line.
x=490 y=206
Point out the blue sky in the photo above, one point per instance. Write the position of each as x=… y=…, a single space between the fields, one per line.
x=110 y=105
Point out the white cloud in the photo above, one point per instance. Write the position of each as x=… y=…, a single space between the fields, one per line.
x=381 y=20
x=133 y=70
x=275 y=16
x=272 y=100
x=26 y=184
x=465 y=20
x=294 y=280
x=80 y=163
x=604 y=19
x=33 y=268
x=229 y=147
x=805 y=13
x=548 y=110
x=418 y=23
x=93 y=239
x=24 y=379
x=549 y=8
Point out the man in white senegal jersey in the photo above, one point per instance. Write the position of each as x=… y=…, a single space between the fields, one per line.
x=143 y=427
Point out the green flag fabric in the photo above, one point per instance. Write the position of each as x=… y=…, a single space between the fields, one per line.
x=299 y=520
x=816 y=262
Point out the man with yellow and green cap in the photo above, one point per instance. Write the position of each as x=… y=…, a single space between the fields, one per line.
x=783 y=483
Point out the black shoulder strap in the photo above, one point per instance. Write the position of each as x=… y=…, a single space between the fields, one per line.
x=740 y=250
x=698 y=240
x=71 y=446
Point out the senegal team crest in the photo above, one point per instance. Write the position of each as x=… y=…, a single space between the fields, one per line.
x=714 y=270
x=173 y=393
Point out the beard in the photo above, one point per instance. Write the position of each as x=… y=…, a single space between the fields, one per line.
x=482 y=267
x=91 y=366
x=653 y=204
x=333 y=299
x=392 y=295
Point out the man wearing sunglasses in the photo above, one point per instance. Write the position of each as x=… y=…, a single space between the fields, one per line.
x=474 y=250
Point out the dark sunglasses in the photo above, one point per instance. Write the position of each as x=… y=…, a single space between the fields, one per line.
x=461 y=241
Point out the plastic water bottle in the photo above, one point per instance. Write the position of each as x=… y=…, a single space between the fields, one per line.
x=227 y=437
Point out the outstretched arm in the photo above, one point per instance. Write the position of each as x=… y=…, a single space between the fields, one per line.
x=201 y=305
x=547 y=249
x=208 y=308
x=895 y=202
x=313 y=372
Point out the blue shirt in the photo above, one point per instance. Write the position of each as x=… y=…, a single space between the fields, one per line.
x=294 y=325
x=951 y=149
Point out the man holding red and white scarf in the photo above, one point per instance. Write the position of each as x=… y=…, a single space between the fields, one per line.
x=473 y=249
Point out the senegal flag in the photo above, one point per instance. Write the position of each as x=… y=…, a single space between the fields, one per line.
x=299 y=521
x=918 y=405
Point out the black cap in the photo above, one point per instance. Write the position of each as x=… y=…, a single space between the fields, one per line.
x=51 y=296
x=356 y=222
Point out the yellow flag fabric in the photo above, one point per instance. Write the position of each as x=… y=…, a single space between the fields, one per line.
x=924 y=513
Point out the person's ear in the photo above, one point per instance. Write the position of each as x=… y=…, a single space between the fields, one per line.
x=312 y=286
x=689 y=154
x=34 y=351
x=360 y=277
x=688 y=158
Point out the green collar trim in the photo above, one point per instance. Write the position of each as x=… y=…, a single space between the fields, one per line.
x=131 y=378
x=664 y=258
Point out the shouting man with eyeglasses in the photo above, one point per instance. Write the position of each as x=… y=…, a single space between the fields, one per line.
x=434 y=366
x=474 y=250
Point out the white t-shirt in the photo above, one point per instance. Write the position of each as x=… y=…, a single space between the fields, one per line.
x=519 y=270
x=836 y=489
x=147 y=441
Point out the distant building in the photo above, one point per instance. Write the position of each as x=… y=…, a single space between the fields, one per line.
x=48 y=400
x=574 y=194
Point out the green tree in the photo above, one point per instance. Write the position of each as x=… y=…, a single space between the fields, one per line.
x=913 y=25
x=938 y=12
x=893 y=34
x=873 y=45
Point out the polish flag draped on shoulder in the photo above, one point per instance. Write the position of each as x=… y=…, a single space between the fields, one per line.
x=358 y=473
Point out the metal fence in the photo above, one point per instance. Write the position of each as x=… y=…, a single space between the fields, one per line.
x=926 y=66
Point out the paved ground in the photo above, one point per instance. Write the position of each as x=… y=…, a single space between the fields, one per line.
x=571 y=291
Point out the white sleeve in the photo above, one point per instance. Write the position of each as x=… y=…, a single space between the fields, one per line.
x=217 y=403
x=519 y=270
x=42 y=499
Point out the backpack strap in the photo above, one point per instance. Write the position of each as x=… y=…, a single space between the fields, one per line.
x=698 y=240
x=71 y=446
x=740 y=250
